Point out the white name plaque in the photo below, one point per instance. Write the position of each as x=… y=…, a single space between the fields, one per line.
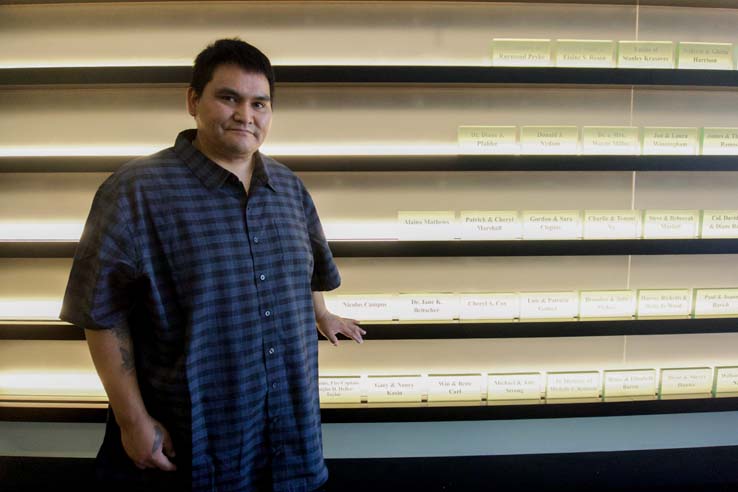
x=434 y=307
x=454 y=387
x=689 y=381
x=719 y=223
x=524 y=386
x=670 y=141
x=549 y=305
x=549 y=140
x=340 y=389
x=521 y=52
x=493 y=306
x=611 y=140
x=585 y=53
x=607 y=304
x=705 y=56
x=622 y=384
x=726 y=380
x=669 y=224
x=716 y=302
x=503 y=225
x=612 y=224
x=573 y=385
x=664 y=303
x=646 y=54
x=488 y=140
x=395 y=389
x=427 y=226
x=719 y=141
x=364 y=307
x=554 y=224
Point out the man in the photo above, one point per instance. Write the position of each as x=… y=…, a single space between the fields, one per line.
x=198 y=281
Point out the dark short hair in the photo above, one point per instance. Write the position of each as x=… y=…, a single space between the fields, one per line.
x=230 y=52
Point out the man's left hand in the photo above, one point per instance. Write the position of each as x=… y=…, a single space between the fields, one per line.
x=330 y=325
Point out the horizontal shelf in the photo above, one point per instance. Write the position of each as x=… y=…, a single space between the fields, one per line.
x=417 y=249
x=40 y=330
x=426 y=412
x=449 y=330
x=725 y=4
x=382 y=74
x=390 y=163
x=577 y=247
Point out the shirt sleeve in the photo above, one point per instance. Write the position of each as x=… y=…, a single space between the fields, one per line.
x=100 y=293
x=325 y=271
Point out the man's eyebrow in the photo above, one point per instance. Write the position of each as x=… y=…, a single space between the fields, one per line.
x=232 y=92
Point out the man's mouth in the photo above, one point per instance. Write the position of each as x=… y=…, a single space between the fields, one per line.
x=243 y=131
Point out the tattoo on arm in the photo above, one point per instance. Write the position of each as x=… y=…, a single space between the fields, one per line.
x=158 y=438
x=125 y=346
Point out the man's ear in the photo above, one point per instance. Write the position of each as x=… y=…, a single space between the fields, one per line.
x=192 y=99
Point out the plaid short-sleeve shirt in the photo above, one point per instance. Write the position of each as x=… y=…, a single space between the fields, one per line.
x=215 y=286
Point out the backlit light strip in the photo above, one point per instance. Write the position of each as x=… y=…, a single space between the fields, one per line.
x=30 y=309
x=41 y=231
x=72 y=231
x=51 y=383
x=414 y=61
x=356 y=149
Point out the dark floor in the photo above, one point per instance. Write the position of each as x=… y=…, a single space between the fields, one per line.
x=680 y=470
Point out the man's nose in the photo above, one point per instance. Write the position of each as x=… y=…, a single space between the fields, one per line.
x=244 y=112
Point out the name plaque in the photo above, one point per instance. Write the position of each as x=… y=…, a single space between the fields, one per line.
x=521 y=52
x=340 y=389
x=719 y=141
x=670 y=141
x=607 y=304
x=585 y=53
x=454 y=387
x=623 y=384
x=549 y=140
x=488 y=140
x=670 y=224
x=611 y=140
x=716 y=302
x=523 y=386
x=705 y=56
x=646 y=54
x=493 y=306
x=612 y=224
x=726 y=380
x=364 y=307
x=502 y=225
x=387 y=389
x=664 y=303
x=426 y=226
x=549 y=305
x=686 y=381
x=561 y=385
x=719 y=223
x=429 y=307
x=553 y=224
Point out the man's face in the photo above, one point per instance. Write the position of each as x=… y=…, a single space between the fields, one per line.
x=233 y=113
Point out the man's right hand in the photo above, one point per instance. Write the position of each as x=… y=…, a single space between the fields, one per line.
x=148 y=444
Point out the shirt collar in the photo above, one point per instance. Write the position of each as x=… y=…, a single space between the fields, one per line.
x=211 y=174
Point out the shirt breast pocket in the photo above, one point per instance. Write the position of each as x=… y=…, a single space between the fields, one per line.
x=295 y=249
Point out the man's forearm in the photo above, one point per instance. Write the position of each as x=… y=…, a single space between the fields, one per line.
x=319 y=305
x=112 y=353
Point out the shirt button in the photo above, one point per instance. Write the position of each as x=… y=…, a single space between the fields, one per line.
x=267 y=313
x=274 y=385
x=262 y=277
x=271 y=350
x=256 y=240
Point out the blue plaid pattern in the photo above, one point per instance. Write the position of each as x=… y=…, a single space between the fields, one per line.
x=216 y=288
